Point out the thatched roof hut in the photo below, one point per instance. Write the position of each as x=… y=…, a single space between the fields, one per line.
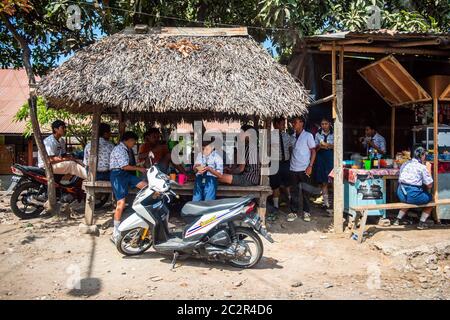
x=171 y=76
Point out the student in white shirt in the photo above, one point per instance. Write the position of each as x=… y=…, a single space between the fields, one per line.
x=61 y=162
x=414 y=186
x=373 y=140
x=301 y=166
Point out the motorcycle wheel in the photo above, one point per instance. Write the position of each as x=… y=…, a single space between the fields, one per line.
x=19 y=198
x=101 y=199
x=130 y=244
x=254 y=248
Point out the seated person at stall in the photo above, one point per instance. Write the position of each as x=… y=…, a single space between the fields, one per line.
x=414 y=186
x=247 y=173
x=159 y=152
x=373 y=140
x=209 y=167
x=61 y=162
x=122 y=177
x=105 y=147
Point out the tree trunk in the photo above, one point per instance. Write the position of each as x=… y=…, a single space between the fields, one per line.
x=32 y=103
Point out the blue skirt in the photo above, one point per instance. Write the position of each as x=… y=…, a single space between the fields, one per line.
x=323 y=165
x=414 y=194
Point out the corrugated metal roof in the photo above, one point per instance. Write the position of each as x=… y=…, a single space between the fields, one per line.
x=13 y=94
x=379 y=32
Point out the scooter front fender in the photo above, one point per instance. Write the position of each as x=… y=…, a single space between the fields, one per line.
x=132 y=222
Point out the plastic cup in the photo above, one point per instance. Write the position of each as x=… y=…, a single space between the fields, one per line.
x=367 y=164
x=182 y=178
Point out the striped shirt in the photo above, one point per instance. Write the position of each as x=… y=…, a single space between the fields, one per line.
x=252 y=167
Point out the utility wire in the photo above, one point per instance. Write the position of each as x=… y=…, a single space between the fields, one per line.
x=180 y=19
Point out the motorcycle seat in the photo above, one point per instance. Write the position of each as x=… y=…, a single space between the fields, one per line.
x=36 y=170
x=199 y=208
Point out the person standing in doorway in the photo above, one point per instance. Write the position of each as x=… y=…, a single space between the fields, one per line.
x=324 y=162
x=301 y=167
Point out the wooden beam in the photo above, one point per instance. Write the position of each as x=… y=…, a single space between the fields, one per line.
x=322 y=100
x=396 y=81
x=92 y=174
x=406 y=44
x=387 y=50
x=436 y=152
x=355 y=41
x=393 y=132
x=333 y=77
x=338 y=181
x=204 y=32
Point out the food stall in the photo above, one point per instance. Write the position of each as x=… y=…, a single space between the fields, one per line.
x=429 y=103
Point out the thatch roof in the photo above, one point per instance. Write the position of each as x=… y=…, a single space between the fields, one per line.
x=175 y=76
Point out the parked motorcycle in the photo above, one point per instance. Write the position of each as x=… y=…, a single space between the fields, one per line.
x=220 y=230
x=30 y=191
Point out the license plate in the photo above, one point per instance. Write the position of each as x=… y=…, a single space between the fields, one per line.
x=15 y=178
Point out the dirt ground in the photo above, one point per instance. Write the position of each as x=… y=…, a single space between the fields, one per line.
x=48 y=258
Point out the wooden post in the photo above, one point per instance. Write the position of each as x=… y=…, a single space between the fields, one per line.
x=262 y=209
x=333 y=77
x=393 y=132
x=338 y=182
x=30 y=151
x=436 y=152
x=122 y=123
x=92 y=175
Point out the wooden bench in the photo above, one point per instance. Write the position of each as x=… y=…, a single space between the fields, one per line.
x=363 y=211
x=259 y=192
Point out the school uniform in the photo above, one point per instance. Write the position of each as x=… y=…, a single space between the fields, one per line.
x=300 y=159
x=121 y=179
x=378 y=140
x=413 y=176
x=324 y=158
x=205 y=186
x=282 y=177
x=105 y=149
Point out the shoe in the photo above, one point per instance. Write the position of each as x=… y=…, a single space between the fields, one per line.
x=318 y=200
x=422 y=225
x=291 y=217
x=114 y=238
x=396 y=222
x=306 y=217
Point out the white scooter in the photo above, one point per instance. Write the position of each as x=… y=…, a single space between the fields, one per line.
x=222 y=230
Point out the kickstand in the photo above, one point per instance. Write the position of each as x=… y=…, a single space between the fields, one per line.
x=174 y=260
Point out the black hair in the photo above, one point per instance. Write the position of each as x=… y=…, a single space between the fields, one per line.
x=301 y=118
x=129 y=135
x=246 y=127
x=372 y=126
x=278 y=120
x=104 y=128
x=57 y=124
x=151 y=131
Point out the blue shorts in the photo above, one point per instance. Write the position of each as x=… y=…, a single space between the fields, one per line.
x=205 y=188
x=121 y=181
x=414 y=194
